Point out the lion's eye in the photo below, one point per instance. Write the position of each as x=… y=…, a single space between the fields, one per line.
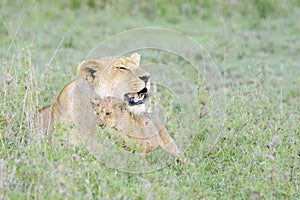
x=108 y=113
x=122 y=68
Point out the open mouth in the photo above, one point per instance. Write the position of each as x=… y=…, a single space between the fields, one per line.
x=138 y=98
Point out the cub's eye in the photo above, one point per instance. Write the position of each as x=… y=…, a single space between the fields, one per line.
x=107 y=114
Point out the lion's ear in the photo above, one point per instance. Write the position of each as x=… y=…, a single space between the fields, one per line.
x=135 y=57
x=87 y=69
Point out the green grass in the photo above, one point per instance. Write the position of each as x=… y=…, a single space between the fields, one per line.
x=255 y=47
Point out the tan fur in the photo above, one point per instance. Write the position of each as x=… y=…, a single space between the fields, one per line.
x=145 y=129
x=108 y=76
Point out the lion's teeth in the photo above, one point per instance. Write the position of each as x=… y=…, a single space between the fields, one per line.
x=138 y=97
x=142 y=97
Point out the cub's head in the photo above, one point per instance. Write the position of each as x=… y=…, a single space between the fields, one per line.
x=110 y=111
x=120 y=77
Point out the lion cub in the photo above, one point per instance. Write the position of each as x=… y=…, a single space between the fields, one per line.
x=146 y=129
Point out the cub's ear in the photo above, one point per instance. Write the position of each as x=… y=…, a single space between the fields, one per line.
x=135 y=57
x=95 y=102
x=88 y=69
x=122 y=106
x=96 y=106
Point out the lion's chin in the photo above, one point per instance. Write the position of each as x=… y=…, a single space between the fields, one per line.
x=137 y=109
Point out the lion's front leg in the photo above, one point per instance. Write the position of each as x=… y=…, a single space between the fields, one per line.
x=91 y=141
x=167 y=143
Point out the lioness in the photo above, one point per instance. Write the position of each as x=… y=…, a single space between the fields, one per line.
x=145 y=129
x=118 y=76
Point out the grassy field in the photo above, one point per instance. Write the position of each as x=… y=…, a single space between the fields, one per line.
x=243 y=143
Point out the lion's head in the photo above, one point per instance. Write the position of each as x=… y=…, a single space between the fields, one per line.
x=120 y=77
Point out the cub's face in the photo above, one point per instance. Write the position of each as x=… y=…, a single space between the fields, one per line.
x=119 y=77
x=109 y=110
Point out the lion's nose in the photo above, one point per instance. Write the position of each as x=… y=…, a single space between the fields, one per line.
x=144 y=78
